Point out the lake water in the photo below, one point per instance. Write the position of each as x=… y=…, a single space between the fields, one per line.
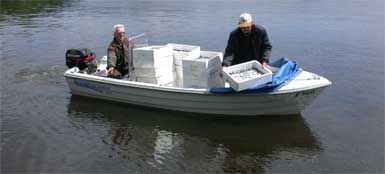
x=45 y=129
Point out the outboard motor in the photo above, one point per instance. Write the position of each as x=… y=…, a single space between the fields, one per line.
x=82 y=58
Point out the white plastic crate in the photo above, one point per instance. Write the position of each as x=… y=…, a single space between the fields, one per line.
x=152 y=56
x=204 y=71
x=184 y=52
x=243 y=76
x=152 y=63
x=178 y=70
x=209 y=79
x=165 y=68
x=208 y=54
x=207 y=60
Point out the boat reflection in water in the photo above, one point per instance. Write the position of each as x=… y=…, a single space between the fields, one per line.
x=184 y=142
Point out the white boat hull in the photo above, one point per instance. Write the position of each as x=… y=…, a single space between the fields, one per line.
x=290 y=99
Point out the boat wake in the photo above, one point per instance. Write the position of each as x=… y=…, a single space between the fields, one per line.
x=50 y=74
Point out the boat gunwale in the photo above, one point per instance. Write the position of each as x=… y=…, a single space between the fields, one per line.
x=76 y=75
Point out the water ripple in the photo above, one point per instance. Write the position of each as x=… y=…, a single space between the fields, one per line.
x=45 y=74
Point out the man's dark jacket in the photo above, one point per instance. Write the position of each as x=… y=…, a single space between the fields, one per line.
x=120 y=56
x=241 y=48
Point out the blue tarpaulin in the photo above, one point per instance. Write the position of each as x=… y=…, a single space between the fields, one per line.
x=287 y=70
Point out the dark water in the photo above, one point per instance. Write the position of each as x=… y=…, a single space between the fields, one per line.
x=46 y=129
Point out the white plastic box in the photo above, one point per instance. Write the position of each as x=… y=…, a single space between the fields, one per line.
x=178 y=75
x=203 y=72
x=206 y=60
x=161 y=73
x=165 y=69
x=184 y=52
x=231 y=74
x=210 y=54
x=152 y=56
x=181 y=52
x=154 y=64
x=209 y=79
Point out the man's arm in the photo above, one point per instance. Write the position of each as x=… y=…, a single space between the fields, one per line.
x=266 y=46
x=229 y=52
x=111 y=59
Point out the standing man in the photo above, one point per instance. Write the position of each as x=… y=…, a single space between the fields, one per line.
x=119 y=54
x=248 y=42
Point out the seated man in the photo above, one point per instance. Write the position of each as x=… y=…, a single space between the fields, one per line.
x=247 y=42
x=119 y=54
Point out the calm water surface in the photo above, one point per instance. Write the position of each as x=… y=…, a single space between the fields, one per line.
x=45 y=129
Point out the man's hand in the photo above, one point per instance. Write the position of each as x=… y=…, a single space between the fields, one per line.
x=264 y=64
x=111 y=71
x=273 y=69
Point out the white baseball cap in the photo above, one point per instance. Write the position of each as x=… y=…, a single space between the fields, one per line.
x=245 y=20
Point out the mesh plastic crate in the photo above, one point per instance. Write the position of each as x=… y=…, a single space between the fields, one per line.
x=246 y=75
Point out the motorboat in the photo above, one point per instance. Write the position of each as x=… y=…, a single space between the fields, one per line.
x=291 y=97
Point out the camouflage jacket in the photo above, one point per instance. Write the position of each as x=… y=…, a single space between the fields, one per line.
x=120 y=56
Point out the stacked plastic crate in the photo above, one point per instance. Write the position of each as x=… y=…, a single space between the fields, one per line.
x=154 y=64
x=204 y=71
x=182 y=52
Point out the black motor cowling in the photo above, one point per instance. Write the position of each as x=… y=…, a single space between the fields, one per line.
x=82 y=58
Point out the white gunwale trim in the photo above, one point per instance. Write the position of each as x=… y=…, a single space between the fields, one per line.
x=76 y=75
